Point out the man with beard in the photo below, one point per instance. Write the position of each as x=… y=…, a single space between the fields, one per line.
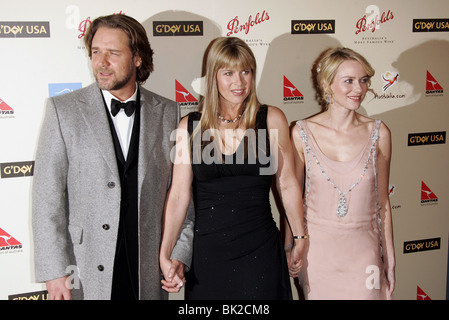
x=102 y=172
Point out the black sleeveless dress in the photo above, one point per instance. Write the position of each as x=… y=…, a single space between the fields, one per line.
x=237 y=250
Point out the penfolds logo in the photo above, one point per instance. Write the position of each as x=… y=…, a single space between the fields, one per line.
x=84 y=25
x=374 y=20
x=82 y=28
x=234 y=25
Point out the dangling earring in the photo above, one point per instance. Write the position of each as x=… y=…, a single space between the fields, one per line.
x=328 y=98
x=328 y=95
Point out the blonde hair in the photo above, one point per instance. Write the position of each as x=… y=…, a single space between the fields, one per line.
x=232 y=53
x=326 y=66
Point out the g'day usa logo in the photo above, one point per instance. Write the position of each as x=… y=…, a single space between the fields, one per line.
x=17 y=169
x=312 y=26
x=8 y=243
x=177 y=28
x=37 y=295
x=430 y=25
x=16 y=29
x=422 y=245
x=426 y=138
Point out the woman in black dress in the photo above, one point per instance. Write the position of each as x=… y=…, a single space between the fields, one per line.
x=229 y=151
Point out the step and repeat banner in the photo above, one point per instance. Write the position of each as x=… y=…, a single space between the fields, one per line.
x=406 y=41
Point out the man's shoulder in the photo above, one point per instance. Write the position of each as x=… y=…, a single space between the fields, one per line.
x=83 y=93
x=152 y=96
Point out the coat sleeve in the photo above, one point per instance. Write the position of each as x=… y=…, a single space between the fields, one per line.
x=49 y=200
x=184 y=246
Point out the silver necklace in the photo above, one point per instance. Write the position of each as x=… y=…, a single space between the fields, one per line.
x=229 y=121
x=342 y=207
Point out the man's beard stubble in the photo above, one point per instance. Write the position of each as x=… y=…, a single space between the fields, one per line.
x=118 y=83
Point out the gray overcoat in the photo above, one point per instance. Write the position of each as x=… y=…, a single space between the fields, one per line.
x=76 y=193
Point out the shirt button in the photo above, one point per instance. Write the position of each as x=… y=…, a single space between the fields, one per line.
x=106 y=227
x=111 y=185
x=100 y=267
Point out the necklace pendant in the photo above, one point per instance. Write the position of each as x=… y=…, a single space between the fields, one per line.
x=342 y=208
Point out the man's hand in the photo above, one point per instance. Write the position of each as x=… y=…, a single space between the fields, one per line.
x=58 y=289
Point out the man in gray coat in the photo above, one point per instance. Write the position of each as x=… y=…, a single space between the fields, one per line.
x=101 y=176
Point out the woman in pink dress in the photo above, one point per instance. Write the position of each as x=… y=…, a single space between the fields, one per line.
x=343 y=161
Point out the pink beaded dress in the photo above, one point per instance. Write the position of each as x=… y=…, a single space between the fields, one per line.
x=344 y=256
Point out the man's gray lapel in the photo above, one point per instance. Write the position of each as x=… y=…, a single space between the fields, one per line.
x=146 y=139
x=93 y=111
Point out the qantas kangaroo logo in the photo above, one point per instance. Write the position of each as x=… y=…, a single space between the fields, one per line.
x=182 y=94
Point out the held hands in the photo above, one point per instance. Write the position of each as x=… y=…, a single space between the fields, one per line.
x=294 y=256
x=173 y=272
